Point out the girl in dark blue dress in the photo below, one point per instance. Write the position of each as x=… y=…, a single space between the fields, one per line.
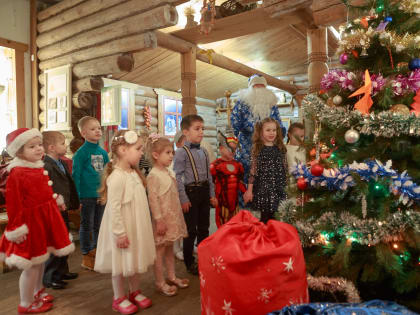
x=268 y=176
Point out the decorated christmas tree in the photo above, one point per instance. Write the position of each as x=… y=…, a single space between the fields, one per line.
x=358 y=210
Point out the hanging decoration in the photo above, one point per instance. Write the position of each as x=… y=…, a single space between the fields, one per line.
x=208 y=14
x=209 y=53
x=365 y=103
x=416 y=104
x=351 y=136
x=344 y=58
x=147 y=115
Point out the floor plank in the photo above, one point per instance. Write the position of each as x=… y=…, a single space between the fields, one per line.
x=91 y=293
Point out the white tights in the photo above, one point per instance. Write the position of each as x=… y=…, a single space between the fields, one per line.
x=118 y=285
x=30 y=282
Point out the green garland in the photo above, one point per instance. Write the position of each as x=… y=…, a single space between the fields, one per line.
x=331 y=224
x=385 y=124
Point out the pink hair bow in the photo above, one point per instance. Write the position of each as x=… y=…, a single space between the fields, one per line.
x=154 y=137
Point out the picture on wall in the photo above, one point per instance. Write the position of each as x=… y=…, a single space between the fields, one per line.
x=58 y=95
x=110 y=106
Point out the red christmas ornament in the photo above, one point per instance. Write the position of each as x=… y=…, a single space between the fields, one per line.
x=302 y=184
x=317 y=170
x=355 y=53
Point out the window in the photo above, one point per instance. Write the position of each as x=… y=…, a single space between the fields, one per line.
x=172 y=116
x=8 y=108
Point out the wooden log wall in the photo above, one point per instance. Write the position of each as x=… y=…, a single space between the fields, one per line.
x=98 y=38
x=207 y=109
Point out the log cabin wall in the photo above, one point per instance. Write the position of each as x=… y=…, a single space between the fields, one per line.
x=97 y=37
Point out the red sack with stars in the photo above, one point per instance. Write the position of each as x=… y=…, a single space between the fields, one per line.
x=249 y=268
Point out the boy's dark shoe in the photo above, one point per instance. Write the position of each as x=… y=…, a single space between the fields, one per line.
x=55 y=285
x=193 y=269
x=70 y=276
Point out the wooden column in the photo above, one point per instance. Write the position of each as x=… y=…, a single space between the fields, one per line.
x=188 y=84
x=317 y=57
x=34 y=65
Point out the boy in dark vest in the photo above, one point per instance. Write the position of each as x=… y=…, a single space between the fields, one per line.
x=195 y=186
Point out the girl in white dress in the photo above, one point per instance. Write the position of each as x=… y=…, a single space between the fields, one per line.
x=125 y=244
x=168 y=219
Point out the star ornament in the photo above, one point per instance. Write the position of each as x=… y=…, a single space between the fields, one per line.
x=365 y=102
x=288 y=265
x=228 y=308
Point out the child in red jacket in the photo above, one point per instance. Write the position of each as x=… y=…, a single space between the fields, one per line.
x=35 y=228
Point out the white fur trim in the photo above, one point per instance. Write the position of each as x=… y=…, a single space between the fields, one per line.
x=16 y=233
x=260 y=101
x=23 y=163
x=257 y=80
x=23 y=263
x=62 y=251
x=60 y=200
x=22 y=139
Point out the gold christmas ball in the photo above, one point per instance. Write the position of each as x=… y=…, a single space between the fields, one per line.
x=400 y=109
x=330 y=102
x=324 y=148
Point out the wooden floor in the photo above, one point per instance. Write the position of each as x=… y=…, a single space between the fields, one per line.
x=91 y=293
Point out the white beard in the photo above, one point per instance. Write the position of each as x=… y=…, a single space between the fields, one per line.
x=259 y=100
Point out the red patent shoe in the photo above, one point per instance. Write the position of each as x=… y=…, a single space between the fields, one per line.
x=43 y=296
x=35 y=308
x=141 y=301
x=127 y=308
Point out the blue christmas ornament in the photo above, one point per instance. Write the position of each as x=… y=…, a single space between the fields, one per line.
x=414 y=64
x=388 y=19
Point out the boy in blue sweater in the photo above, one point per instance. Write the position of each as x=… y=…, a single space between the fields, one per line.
x=88 y=164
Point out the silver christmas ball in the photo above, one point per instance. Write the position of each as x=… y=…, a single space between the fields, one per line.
x=351 y=136
x=337 y=100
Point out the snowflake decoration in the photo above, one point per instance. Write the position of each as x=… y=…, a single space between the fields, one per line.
x=288 y=265
x=202 y=280
x=265 y=295
x=218 y=263
x=228 y=308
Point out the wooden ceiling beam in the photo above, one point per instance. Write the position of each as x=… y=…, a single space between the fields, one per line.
x=249 y=22
x=169 y=41
x=239 y=68
x=329 y=12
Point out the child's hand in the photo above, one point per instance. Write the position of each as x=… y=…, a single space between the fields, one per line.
x=160 y=227
x=62 y=207
x=248 y=196
x=214 y=202
x=186 y=207
x=123 y=242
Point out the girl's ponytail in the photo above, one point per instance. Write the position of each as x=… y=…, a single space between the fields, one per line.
x=103 y=190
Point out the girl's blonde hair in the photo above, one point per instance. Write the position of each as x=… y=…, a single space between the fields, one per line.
x=157 y=144
x=257 y=142
x=117 y=141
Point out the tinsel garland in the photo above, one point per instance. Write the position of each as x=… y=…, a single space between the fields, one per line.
x=345 y=225
x=384 y=124
x=327 y=284
x=362 y=38
x=341 y=178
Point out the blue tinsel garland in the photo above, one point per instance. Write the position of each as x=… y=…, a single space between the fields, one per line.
x=341 y=178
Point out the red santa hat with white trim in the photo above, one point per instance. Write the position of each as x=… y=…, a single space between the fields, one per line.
x=16 y=139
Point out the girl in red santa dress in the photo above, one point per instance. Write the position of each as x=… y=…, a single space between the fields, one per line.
x=35 y=228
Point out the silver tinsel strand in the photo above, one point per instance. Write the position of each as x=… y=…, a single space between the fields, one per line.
x=384 y=124
x=334 y=285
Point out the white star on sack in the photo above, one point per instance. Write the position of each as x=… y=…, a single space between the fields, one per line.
x=228 y=308
x=289 y=265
